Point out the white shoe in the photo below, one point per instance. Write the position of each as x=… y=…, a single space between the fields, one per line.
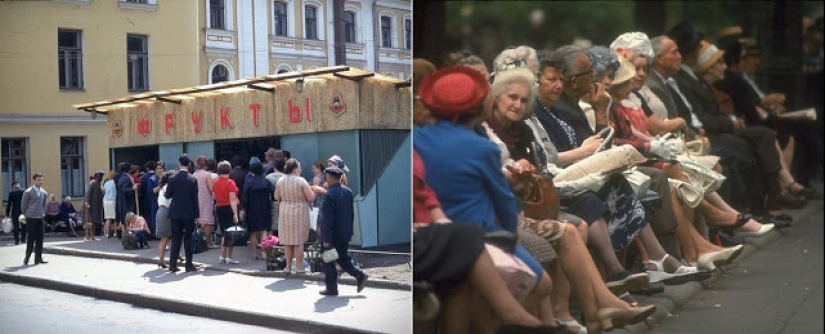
x=231 y=260
x=222 y=259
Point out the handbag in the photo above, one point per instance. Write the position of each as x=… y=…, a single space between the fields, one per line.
x=639 y=181
x=7 y=226
x=330 y=255
x=128 y=241
x=235 y=236
x=198 y=241
x=518 y=277
x=688 y=193
x=704 y=178
x=540 y=198
x=503 y=239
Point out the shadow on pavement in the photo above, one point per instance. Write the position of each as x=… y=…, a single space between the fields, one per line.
x=286 y=284
x=326 y=304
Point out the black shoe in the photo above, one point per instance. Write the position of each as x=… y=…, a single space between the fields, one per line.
x=26 y=261
x=191 y=269
x=174 y=269
x=651 y=289
x=40 y=262
x=362 y=281
x=326 y=292
x=727 y=239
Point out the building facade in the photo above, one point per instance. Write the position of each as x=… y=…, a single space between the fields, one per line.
x=58 y=53
x=242 y=39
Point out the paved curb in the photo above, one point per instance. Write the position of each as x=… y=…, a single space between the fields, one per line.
x=182 y=307
x=346 y=280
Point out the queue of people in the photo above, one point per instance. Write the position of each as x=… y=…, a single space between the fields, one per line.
x=708 y=173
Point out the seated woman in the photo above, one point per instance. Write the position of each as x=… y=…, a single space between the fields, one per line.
x=68 y=215
x=137 y=224
x=52 y=217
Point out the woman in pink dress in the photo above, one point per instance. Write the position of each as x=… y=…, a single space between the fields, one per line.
x=206 y=203
x=294 y=196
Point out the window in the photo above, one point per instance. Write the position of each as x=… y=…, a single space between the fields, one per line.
x=386 y=32
x=220 y=74
x=349 y=27
x=407 y=33
x=137 y=63
x=72 y=166
x=216 y=15
x=70 y=58
x=137 y=1
x=15 y=166
x=311 y=22
x=280 y=19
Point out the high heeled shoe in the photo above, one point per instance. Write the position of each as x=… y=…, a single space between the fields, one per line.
x=710 y=260
x=763 y=229
x=614 y=317
x=161 y=264
x=573 y=323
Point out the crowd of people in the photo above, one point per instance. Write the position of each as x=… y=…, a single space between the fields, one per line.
x=264 y=198
x=710 y=163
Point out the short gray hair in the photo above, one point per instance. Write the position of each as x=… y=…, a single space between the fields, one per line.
x=521 y=75
x=569 y=54
x=658 y=44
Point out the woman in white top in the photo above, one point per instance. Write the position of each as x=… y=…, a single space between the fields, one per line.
x=163 y=225
x=109 y=198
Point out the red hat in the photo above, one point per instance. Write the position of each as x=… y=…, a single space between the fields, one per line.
x=453 y=91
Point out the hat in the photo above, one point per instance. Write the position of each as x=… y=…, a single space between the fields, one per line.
x=750 y=46
x=709 y=54
x=335 y=171
x=625 y=72
x=636 y=41
x=100 y=172
x=67 y=198
x=454 y=91
x=686 y=38
x=338 y=162
x=728 y=36
x=256 y=168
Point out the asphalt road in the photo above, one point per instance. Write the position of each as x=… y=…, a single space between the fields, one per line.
x=777 y=290
x=53 y=312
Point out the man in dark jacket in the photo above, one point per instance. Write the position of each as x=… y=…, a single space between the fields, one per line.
x=182 y=188
x=13 y=208
x=336 y=231
x=125 y=193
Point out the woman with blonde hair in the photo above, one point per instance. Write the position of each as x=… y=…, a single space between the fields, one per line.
x=293 y=195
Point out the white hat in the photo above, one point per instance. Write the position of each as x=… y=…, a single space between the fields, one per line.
x=636 y=41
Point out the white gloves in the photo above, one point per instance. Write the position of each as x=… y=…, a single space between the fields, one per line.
x=592 y=182
x=666 y=147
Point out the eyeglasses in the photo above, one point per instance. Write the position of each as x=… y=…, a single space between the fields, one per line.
x=589 y=71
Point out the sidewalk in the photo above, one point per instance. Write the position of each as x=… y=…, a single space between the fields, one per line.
x=244 y=293
x=675 y=297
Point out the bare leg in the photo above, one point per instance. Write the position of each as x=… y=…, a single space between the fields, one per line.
x=561 y=295
x=655 y=251
x=207 y=230
x=785 y=177
x=299 y=257
x=162 y=249
x=717 y=212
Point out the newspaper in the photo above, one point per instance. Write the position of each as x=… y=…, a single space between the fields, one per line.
x=808 y=114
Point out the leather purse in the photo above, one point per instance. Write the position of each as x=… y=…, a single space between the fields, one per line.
x=540 y=199
x=503 y=239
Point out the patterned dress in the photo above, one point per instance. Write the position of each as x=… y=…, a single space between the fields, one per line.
x=293 y=218
x=206 y=203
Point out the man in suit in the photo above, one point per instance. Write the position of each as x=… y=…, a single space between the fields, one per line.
x=33 y=205
x=336 y=231
x=126 y=188
x=13 y=208
x=578 y=82
x=182 y=188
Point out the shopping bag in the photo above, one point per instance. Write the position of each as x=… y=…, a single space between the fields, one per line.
x=198 y=241
x=235 y=236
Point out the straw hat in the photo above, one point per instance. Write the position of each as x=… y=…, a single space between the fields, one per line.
x=728 y=36
x=625 y=72
x=686 y=37
x=709 y=54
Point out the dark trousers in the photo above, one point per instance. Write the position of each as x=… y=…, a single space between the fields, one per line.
x=141 y=238
x=181 y=231
x=331 y=274
x=19 y=231
x=35 y=238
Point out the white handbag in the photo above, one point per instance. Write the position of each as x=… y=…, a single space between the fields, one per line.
x=22 y=219
x=329 y=255
x=688 y=193
x=7 y=226
x=639 y=181
x=704 y=178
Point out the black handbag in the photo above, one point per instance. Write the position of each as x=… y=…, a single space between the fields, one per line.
x=235 y=236
x=503 y=239
x=198 y=241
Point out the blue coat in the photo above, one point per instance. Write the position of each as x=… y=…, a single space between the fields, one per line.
x=337 y=215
